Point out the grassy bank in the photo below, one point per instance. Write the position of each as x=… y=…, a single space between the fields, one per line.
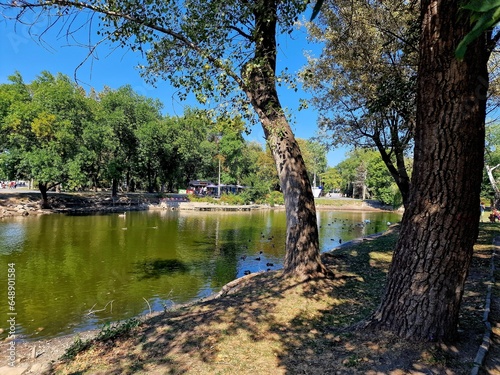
x=266 y=324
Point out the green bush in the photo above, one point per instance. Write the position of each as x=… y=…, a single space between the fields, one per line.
x=195 y=198
x=232 y=199
x=76 y=347
x=275 y=198
x=249 y=196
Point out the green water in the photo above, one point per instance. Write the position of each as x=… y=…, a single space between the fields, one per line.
x=74 y=273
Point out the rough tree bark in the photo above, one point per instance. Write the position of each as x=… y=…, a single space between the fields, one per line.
x=439 y=228
x=114 y=188
x=302 y=257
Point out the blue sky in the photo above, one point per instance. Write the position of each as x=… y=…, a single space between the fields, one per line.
x=116 y=67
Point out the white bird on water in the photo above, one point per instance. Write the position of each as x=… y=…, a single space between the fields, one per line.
x=122 y=215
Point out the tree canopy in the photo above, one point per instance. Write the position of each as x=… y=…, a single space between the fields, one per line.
x=55 y=133
x=367 y=107
x=205 y=48
x=42 y=126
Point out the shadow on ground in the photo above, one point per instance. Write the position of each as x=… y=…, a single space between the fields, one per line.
x=266 y=324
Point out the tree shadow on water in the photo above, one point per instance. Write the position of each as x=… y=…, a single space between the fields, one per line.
x=155 y=268
x=267 y=324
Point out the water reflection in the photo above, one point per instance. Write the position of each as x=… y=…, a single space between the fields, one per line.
x=12 y=236
x=77 y=272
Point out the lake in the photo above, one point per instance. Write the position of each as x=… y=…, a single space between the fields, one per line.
x=74 y=273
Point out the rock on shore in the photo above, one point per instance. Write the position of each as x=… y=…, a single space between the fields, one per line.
x=29 y=203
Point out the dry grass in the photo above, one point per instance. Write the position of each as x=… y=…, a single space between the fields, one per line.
x=272 y=325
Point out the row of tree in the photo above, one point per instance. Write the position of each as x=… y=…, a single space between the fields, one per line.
x=119 y=138
x=55 y=133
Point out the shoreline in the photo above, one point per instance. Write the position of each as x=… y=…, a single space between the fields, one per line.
x=39 y=355
x=27 y=203
x=44 y=351
x=117 y=355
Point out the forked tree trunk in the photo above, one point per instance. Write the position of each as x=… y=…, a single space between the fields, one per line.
x=439 y=228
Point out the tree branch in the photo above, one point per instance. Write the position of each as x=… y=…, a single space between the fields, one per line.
x=241 y=32
x=492 y=42
x=491 y=169
x=139 y=20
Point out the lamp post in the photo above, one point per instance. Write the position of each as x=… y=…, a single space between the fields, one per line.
x=218 y=184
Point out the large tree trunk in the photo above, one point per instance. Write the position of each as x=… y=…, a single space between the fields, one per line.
x=302 y=244
x=302 y=240
x=43 y=187
x=439 y=228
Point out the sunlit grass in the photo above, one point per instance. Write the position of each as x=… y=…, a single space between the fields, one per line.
x=338 y=202
x=276 y=325
x=378 y=258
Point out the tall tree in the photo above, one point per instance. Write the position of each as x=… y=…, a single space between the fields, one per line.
x=13 y=93
x=314 y=154
x=380 y=184
x=231 y=148
x=192 y=148
x=95 y=145
x=43 y=126
x=124 y=111
x=367 y=107
x=216 y=49
x=332 y=180
x=153 y=152
x=260 y=176
x=440 y=225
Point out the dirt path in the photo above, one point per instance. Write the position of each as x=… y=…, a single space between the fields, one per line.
x=491 y=364
x=37 y=357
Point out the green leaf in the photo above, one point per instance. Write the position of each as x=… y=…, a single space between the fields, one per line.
x=482 y=5
x=485 y=22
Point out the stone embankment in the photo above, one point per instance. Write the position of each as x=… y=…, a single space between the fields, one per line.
x=12 y=206
x=27 y=203
x=19 y=203
x=21 y=210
